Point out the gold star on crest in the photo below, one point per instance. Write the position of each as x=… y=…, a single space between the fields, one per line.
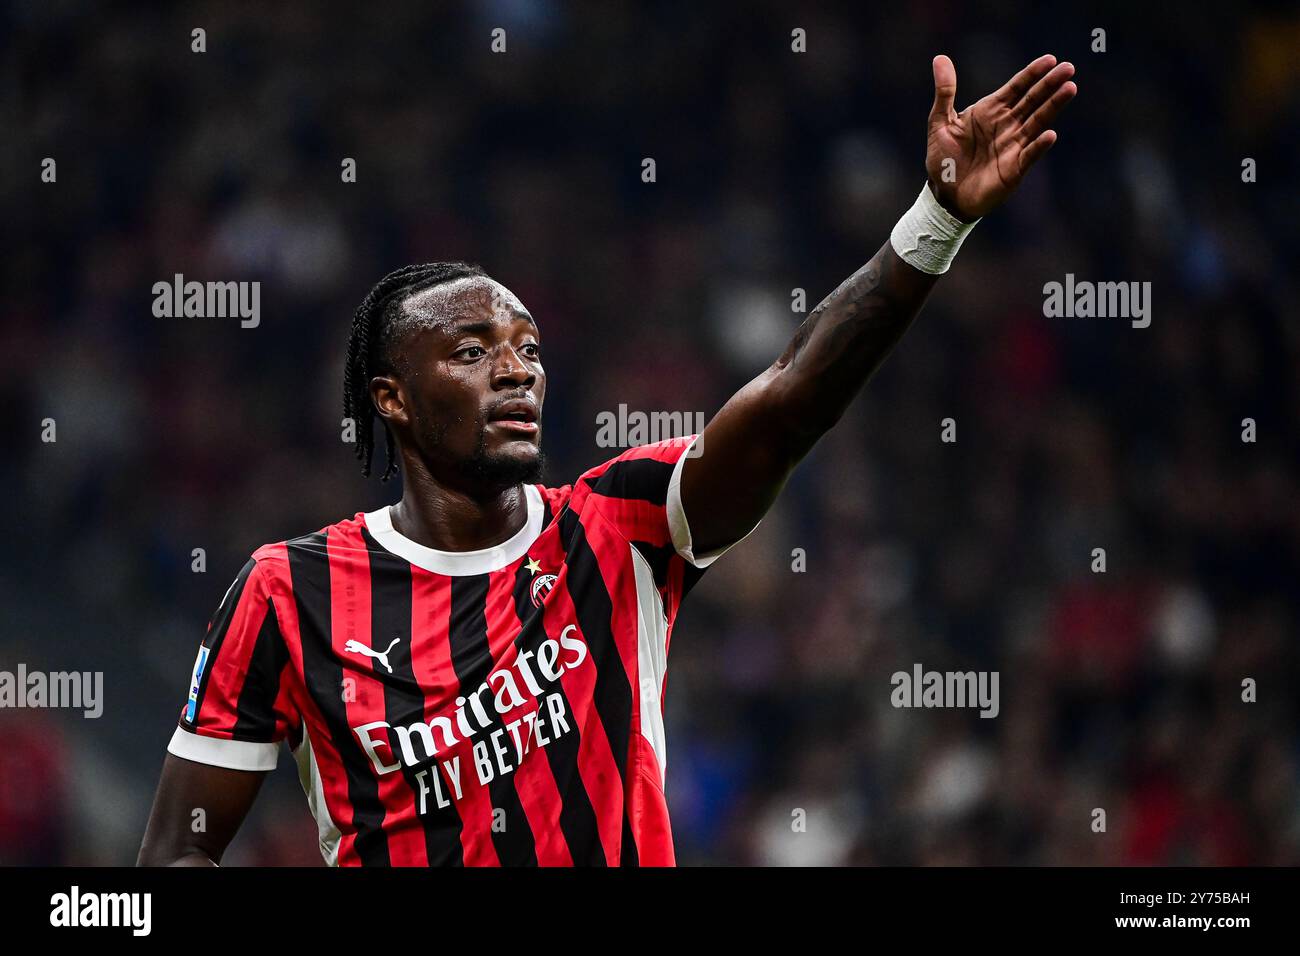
x=533 y=565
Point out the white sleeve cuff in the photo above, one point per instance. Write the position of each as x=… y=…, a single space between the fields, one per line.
x=220 y=752
x=677 y=525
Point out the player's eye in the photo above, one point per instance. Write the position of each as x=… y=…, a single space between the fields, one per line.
x=471 y=352
x=532 y=350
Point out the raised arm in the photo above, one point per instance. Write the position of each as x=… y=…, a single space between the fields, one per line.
x=974 y=160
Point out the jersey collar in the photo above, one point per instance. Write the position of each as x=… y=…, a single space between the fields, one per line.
x=457 y=563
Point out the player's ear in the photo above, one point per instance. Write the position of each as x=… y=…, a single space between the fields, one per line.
x=390 y=399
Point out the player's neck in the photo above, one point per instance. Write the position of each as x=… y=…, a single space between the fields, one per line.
x=446 y=519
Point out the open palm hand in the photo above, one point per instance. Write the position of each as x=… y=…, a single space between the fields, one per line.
x=976 y=158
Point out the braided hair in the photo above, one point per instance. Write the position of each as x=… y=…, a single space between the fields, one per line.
x=369 y=348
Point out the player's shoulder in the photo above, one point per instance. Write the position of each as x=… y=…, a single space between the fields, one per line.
x=271 y=561
x=641 y=471
x=554 y=500
x=641 y=467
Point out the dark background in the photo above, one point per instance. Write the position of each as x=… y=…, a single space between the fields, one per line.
x=776 y=171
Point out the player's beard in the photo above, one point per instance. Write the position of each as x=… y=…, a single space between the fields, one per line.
x=492 y=472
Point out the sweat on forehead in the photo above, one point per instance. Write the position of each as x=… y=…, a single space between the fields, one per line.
x=440 y=305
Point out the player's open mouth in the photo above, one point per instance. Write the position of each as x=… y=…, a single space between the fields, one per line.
x=511 y=425
x=517 y=415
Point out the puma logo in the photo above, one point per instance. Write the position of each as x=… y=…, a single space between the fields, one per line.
x=356 y=647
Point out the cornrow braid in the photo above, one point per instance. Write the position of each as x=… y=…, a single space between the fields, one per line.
x=366 y=356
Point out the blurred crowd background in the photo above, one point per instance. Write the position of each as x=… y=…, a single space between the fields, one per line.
x=776 y=171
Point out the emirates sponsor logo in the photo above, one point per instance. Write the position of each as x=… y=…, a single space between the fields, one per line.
x=503 y=693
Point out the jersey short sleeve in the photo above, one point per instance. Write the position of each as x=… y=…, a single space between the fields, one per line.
x=239 y=708
x=639 y=492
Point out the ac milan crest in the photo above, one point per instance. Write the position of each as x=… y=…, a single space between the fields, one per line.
x=542 y=585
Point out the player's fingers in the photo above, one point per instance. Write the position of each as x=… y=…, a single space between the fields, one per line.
x=1035 y=150
x=1045 y=114
x=1019 y=85
x=1043 y=89
x=945 y=89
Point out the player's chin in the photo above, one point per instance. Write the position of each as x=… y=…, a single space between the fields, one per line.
x=512 y=451
x=514 y=437
x=509 y=463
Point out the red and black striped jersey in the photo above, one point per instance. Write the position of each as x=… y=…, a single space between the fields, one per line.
x=493 y=707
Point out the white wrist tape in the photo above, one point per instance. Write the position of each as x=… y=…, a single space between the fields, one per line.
x=928 y=236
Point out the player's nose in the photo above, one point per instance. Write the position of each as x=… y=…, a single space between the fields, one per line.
x=510 y=370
